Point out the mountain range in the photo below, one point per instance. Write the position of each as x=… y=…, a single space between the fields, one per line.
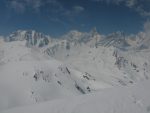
x=36 y=68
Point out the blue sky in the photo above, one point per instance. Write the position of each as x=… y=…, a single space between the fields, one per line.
x=56 y=17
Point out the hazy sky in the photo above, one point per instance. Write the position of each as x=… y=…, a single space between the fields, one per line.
x=55 y=17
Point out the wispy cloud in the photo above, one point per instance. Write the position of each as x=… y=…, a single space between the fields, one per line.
x=78 y=9
x=53 y=6
x=16 y=6
x=58 y=20
x=54 y=10
x=22 y=5
x=74 y=11
x=137 y=5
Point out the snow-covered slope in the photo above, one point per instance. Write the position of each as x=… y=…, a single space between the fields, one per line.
x=133 y=99
x=113 y=65
x=27 y=76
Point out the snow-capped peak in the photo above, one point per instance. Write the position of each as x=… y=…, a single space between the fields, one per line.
x=73 y=36
x=116 y=39
x=32 y=37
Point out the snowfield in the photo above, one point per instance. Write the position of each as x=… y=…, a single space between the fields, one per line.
x=133 y=99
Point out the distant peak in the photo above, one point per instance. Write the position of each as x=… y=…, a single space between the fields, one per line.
x=31 y=37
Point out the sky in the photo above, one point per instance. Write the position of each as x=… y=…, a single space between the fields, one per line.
x=56 y=17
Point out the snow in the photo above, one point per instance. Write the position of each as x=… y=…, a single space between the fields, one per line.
x=133 y=99
x=104 y=65
x=75 y=74
x=29 y=77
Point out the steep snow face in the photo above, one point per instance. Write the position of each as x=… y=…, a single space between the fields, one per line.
x=133 y=99
x=32 y=38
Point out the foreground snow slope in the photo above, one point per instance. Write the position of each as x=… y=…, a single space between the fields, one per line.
x=133 y=99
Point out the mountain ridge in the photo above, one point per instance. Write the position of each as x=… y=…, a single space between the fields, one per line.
x=92 y=39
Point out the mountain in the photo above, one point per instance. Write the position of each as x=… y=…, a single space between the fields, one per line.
x=141 y=41
x=90 y=38
x=36 y=68
x=116 y=39
x=32 y=38
x=28 y=76
x=112 y=61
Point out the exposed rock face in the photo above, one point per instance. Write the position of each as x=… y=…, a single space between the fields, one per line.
x=32 y=38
